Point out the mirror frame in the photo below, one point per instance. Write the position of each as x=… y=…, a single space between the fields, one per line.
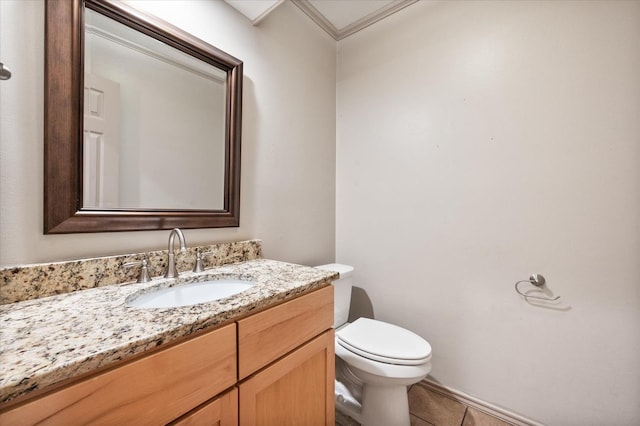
x=63 y=124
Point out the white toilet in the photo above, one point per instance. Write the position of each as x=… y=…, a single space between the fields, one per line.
x=375 y=362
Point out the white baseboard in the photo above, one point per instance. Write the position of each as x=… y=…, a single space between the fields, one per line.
x=500 y=413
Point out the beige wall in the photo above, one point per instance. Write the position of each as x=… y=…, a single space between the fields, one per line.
x=288 y=147
x=478 y=142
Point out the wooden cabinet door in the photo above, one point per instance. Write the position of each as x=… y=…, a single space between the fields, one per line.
x=296 y=390
x=222 y=411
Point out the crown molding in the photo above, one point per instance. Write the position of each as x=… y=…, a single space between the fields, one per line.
x=339 y=34
x=254 y=10
x=175 y=61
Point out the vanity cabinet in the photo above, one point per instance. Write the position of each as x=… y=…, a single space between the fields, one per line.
x=270 y=334
x=275 y=367
x=298 y=389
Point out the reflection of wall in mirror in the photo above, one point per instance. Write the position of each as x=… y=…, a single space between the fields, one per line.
x=169 y=117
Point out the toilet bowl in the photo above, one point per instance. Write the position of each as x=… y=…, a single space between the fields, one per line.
x=375 y=362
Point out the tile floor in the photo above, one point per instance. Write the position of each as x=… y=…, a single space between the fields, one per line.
x=429 y=408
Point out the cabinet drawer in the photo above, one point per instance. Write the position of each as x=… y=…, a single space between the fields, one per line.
x=268 y=335
x=155 y=389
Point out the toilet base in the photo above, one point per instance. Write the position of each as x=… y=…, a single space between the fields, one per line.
x=385 y=406
x=348 y=399
x=383 y=398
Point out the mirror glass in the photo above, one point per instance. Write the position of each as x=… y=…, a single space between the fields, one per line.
x=154 y=123
x=142 y=123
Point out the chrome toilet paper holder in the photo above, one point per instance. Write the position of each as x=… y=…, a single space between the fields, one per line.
x=537 y=280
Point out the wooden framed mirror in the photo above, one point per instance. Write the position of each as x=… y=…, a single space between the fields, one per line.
x=152 y=178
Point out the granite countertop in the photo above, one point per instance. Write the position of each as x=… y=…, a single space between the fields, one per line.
x=47 y=340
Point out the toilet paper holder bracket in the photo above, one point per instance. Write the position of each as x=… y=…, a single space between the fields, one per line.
x=537 y=280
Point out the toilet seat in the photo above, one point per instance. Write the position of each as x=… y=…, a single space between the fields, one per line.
x=383 y=342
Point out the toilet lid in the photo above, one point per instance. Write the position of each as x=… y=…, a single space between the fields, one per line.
x=384 y=342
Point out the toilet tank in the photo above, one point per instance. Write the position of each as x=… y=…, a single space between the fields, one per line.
x=341 y=292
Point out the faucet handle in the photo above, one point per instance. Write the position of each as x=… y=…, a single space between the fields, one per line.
x=144 y=271
x=199 y=267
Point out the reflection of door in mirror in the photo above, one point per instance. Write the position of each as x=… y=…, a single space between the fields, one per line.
x=101 y=143
x=171 y=127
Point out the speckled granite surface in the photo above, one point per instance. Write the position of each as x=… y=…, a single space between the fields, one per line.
x=49 y=339
x=27 y=282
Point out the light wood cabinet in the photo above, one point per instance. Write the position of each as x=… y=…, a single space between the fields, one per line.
x=296 y=390
x=286 y=359
x=270 y=334
x=222 y=411
x=153 y=390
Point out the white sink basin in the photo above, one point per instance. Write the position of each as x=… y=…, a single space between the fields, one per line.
x=190 y=294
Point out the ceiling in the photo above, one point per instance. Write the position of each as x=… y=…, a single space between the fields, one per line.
x=339 y=18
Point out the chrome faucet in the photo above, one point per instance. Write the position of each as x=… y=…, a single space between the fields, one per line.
x=171 y=261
